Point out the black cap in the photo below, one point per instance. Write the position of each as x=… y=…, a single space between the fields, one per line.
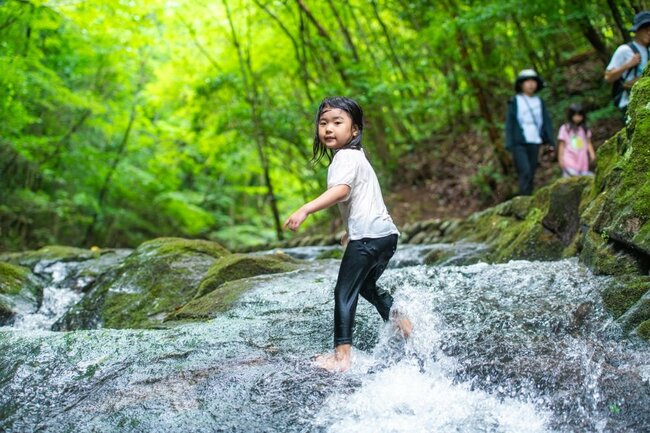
x=640 y=19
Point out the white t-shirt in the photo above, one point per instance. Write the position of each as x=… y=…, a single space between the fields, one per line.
x=529 y=115
x=623 y=54
x=363 y=210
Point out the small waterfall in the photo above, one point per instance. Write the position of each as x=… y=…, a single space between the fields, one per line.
x=66 y=283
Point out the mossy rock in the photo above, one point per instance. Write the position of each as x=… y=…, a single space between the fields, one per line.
x=532 y=242
x=624 y=214
x=623 y=292
x=238 y=266
x=19 y=292
x=51 y=253
x=563 y=215
x=176 y=246
x=643 y=330
x=213 y=303
x=518 y=207
x=334 y=253
x=159 y=277
x=605 y=258
x=437 y=256
x=636 y=314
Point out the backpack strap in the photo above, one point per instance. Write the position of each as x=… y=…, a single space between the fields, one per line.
x=635 y=50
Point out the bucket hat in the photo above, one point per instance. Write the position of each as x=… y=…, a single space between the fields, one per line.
x=640 y=19
x=528 y=74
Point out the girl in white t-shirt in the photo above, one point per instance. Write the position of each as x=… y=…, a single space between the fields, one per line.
x=371 y=236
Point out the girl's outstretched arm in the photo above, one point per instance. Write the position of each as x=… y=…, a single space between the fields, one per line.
x=330 y=197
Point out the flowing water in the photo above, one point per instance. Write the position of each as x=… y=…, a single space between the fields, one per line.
x=516 y=347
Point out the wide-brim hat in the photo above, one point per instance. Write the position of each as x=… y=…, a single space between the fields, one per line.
x=528 y=74
x=640 y=19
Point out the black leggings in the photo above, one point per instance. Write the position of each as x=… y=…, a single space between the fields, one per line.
x=526 y=157
x=363 y=263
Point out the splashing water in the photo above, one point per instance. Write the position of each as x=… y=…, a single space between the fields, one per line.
x=66 y=282
x=518 y=347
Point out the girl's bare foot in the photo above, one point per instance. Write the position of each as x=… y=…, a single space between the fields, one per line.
x=339 y=361
x=402 y=323
x=405 y=326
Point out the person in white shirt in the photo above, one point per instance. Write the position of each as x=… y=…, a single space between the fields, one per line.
x=629 y=60
x=528 y=126
x=371 y=235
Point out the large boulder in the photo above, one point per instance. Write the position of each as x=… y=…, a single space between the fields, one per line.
x=159 y=277
x=49 y=254
x=20 y=292
x=169 y=279
x=238 y=266
x=541 y=227
x=227 y=279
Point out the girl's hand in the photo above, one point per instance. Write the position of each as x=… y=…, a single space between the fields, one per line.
x=296 y=218
x=345 y=239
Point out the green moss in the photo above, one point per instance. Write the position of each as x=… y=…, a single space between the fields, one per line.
x=603 y=259
x=562 y=216
x=592 y=211
x=623 y=177
x=163 y=246
x=159 y=277
x=635 y=315
x=518 y=207
x=12 y=278
x=52 y=253
x=218 y=300
x=19 y=291
x=532 y=242
x=643 y=330
x=334 y=253
x=623 y=292
x=238 y=266
x=607 y=159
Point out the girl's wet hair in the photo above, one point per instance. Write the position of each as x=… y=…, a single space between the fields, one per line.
x=355 y=112
x=574 y=109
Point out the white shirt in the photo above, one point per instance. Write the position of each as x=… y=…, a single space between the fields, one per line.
x=363 y=210
x=623 y=54
x=529 y=115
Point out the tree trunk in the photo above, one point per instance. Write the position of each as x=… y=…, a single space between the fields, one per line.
x=616 y=14
x=258 y=131
x=109 y=176
x=484 y=108
x=532 y=55
x=338 y=64
x=389 y=42
x=303 y=71
x=54 y=155
x=592 y=35
x=344 y=30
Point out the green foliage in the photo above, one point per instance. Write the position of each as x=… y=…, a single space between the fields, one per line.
x=122 y=121
x=485 y=180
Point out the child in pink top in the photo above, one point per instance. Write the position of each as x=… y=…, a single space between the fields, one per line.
x=575 y=150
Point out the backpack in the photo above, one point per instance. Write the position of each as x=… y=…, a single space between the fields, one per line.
x=617 y=86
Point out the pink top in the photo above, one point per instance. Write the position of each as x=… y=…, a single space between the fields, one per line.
x=576 y=150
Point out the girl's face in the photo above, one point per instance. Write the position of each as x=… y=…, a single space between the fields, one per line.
x=529 y=87
x=335 y=128
x=577 y=118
